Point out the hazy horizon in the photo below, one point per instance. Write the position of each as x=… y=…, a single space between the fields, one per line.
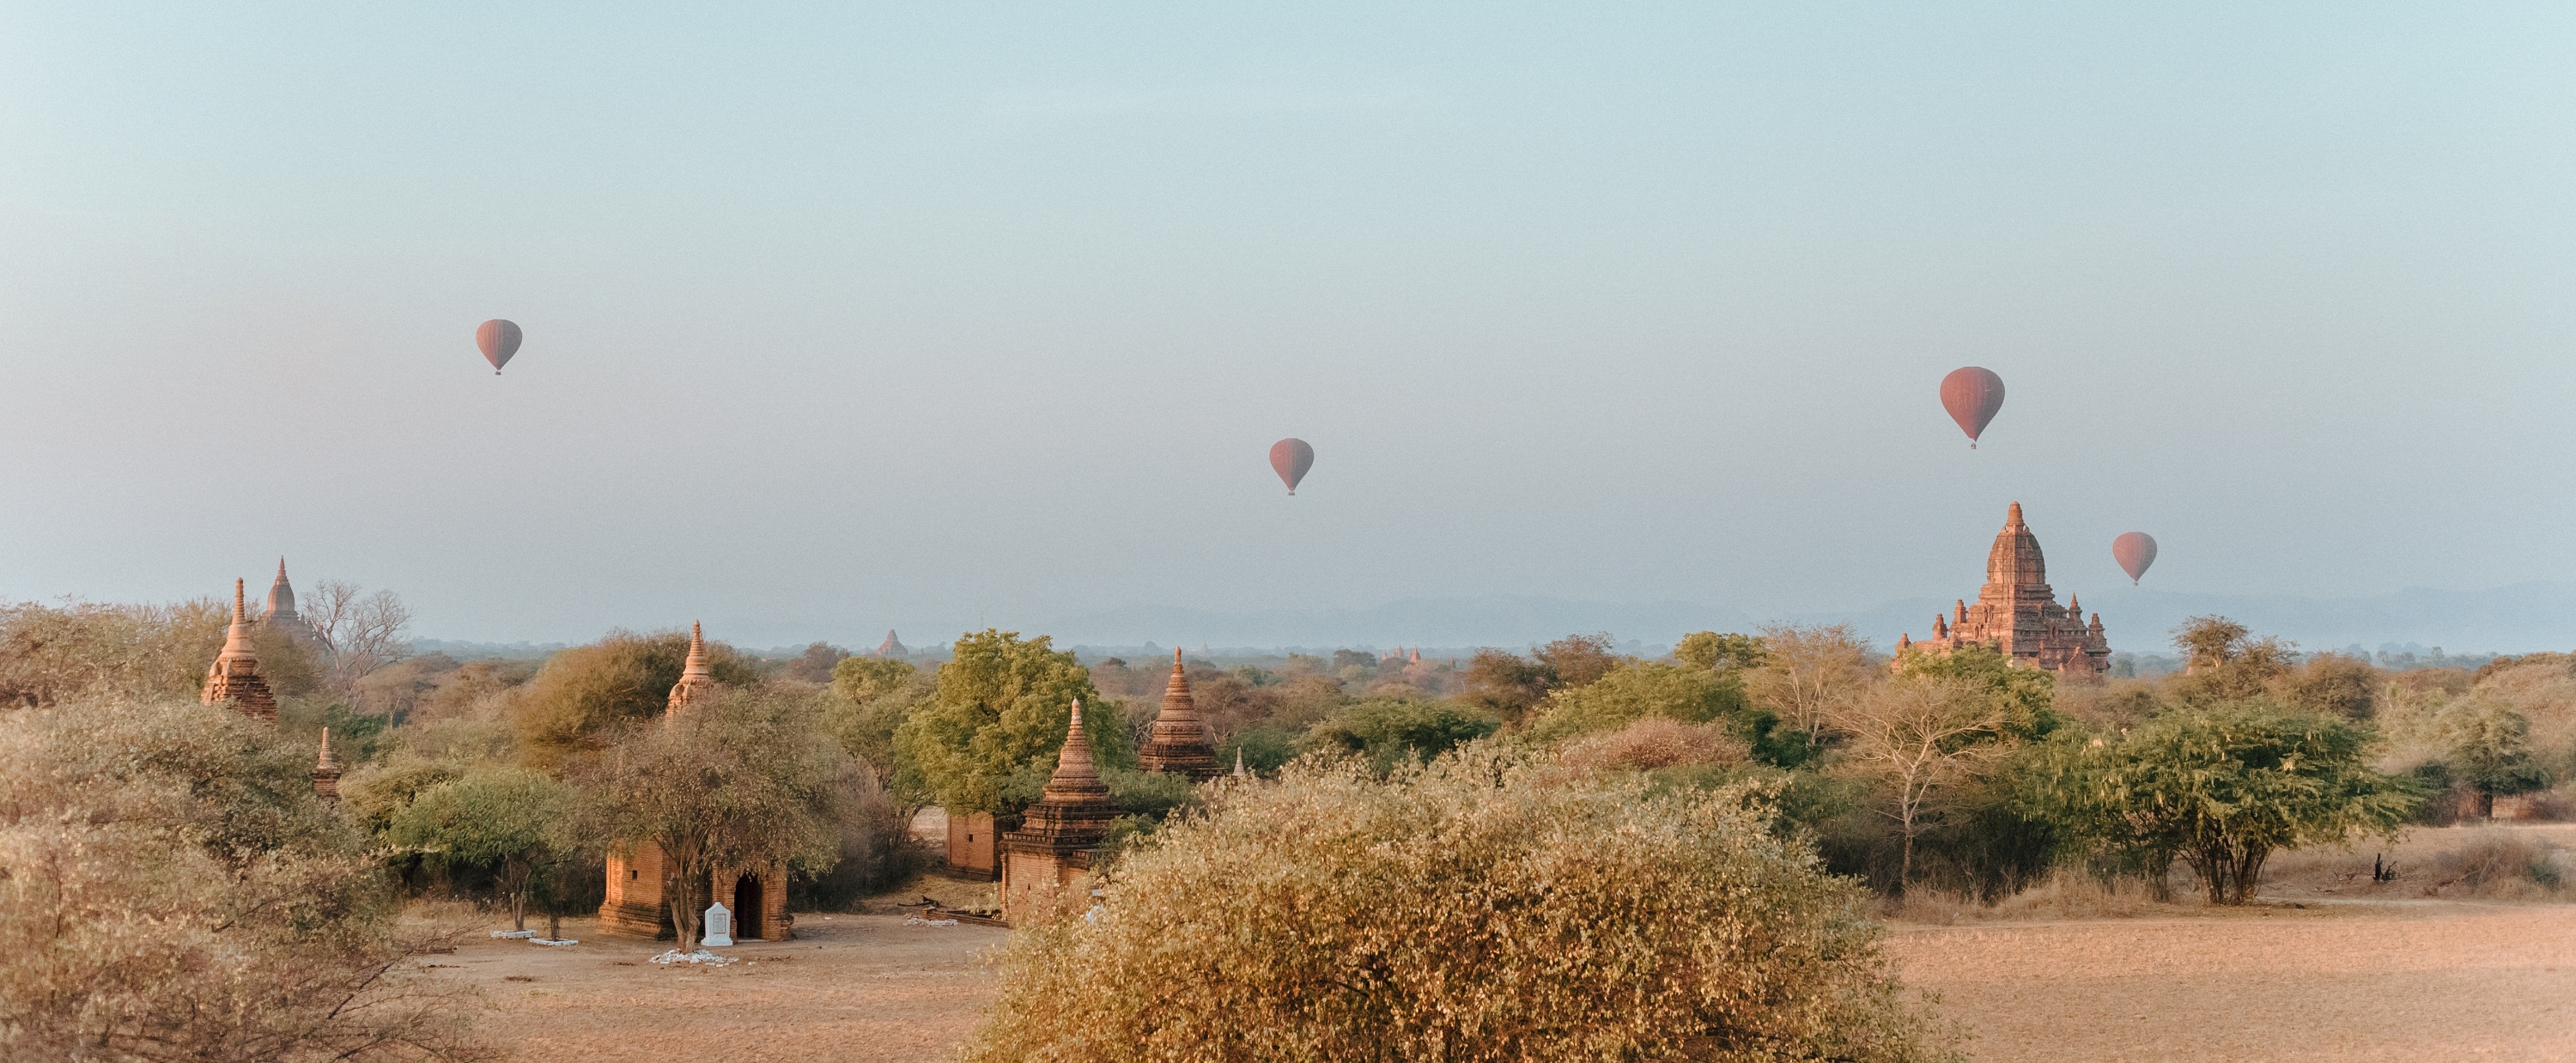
x=930 y=318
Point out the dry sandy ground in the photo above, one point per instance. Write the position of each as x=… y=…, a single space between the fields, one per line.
x=2427 y=980
x=850 y=987
x=2421 y=980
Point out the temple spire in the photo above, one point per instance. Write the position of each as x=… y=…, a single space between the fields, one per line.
x=1179 y=742
x=326 y=771
x=696 y=678
x=234 y=677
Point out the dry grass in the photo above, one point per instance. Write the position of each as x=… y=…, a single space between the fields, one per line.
x=2064 y=895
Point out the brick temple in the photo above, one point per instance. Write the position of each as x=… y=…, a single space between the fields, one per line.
x=636 y=905
x=2017 y=613
x=1179 y=741
x=234 y=678
x=1051 y=852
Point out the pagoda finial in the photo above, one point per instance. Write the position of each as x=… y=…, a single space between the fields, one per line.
x=695 y=677
x=2012 y=516
x=328 y=758
x=1073 y=762
x=1238 y=762
x=238 y=612
x=326 y=771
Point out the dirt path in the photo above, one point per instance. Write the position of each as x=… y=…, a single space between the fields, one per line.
x=2433 y=980
x=2426 y=981
x=850 y=987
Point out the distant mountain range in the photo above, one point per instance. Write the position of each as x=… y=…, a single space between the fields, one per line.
x=2516 y=619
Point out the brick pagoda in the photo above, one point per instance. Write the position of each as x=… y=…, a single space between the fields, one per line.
x=234 y=677
x=1179 y=742
x=1052 y=849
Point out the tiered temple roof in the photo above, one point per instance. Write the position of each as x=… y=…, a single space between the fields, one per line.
x=1179 y=742
x=234 y=677
x=1074 y=811
x=281 y=607
x=2017 y=613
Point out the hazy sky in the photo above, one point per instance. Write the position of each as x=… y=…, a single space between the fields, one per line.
x=932 y=316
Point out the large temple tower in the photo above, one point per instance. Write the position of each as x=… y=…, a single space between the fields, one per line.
x=2017 y=613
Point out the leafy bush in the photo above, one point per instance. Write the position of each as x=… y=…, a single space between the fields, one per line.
x=1482 y=907
x=1387 y=731
x=2222 y=788
x=586 y=695
x=1654 y=743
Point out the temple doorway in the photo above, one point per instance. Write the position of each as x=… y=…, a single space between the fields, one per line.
x=747 y=909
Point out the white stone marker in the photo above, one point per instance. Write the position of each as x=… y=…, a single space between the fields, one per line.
x=719 y=927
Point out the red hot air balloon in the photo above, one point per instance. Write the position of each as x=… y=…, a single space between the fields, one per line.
x=1290 y=458
x=499 y=340
x=1972 y=395
x=2135 y=551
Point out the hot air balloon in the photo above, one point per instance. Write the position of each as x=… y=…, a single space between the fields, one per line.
x=1972 y=395
x=2135 y=551
x=1290 y=458
x=499 y=340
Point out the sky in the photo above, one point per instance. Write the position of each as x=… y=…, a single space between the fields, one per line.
x=852 y=317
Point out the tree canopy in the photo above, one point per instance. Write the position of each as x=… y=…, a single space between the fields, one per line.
x=988 y=737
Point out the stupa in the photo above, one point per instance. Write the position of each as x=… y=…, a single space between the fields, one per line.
x=1052 y=849
x=234 y=677
x=1179 y=742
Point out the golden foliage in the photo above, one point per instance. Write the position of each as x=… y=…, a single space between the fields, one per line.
x=1488 y=906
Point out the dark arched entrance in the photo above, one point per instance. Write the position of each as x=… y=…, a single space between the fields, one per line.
x=747 y=909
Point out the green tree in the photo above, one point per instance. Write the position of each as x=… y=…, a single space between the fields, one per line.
x=516 y=822
x=2222 y=788
x=987 y=738
x=2487 y=746
x=741 y=779
x=585 y=696
x=1638 y=690
x=1390 y=731
x=2332 y=683
x=2224 y=662
x=1579 y=660
x=1720 y=653
x=2024 y=697
x=870 y=699
x=1482 y=907
x=1507 y=684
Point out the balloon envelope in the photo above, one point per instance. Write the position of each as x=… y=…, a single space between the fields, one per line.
x=1972 y=395
x=1290 y=458
x=499 y=340
x=2134 y=551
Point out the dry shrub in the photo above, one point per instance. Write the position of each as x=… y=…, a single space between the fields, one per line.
x=2065 y=894
x=171 y=889
x=2503 y=864
x=1656 y=742
x=1487 y=906
x=51 y=653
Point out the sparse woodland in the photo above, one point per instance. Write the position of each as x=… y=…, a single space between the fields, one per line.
x=1673 y=858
